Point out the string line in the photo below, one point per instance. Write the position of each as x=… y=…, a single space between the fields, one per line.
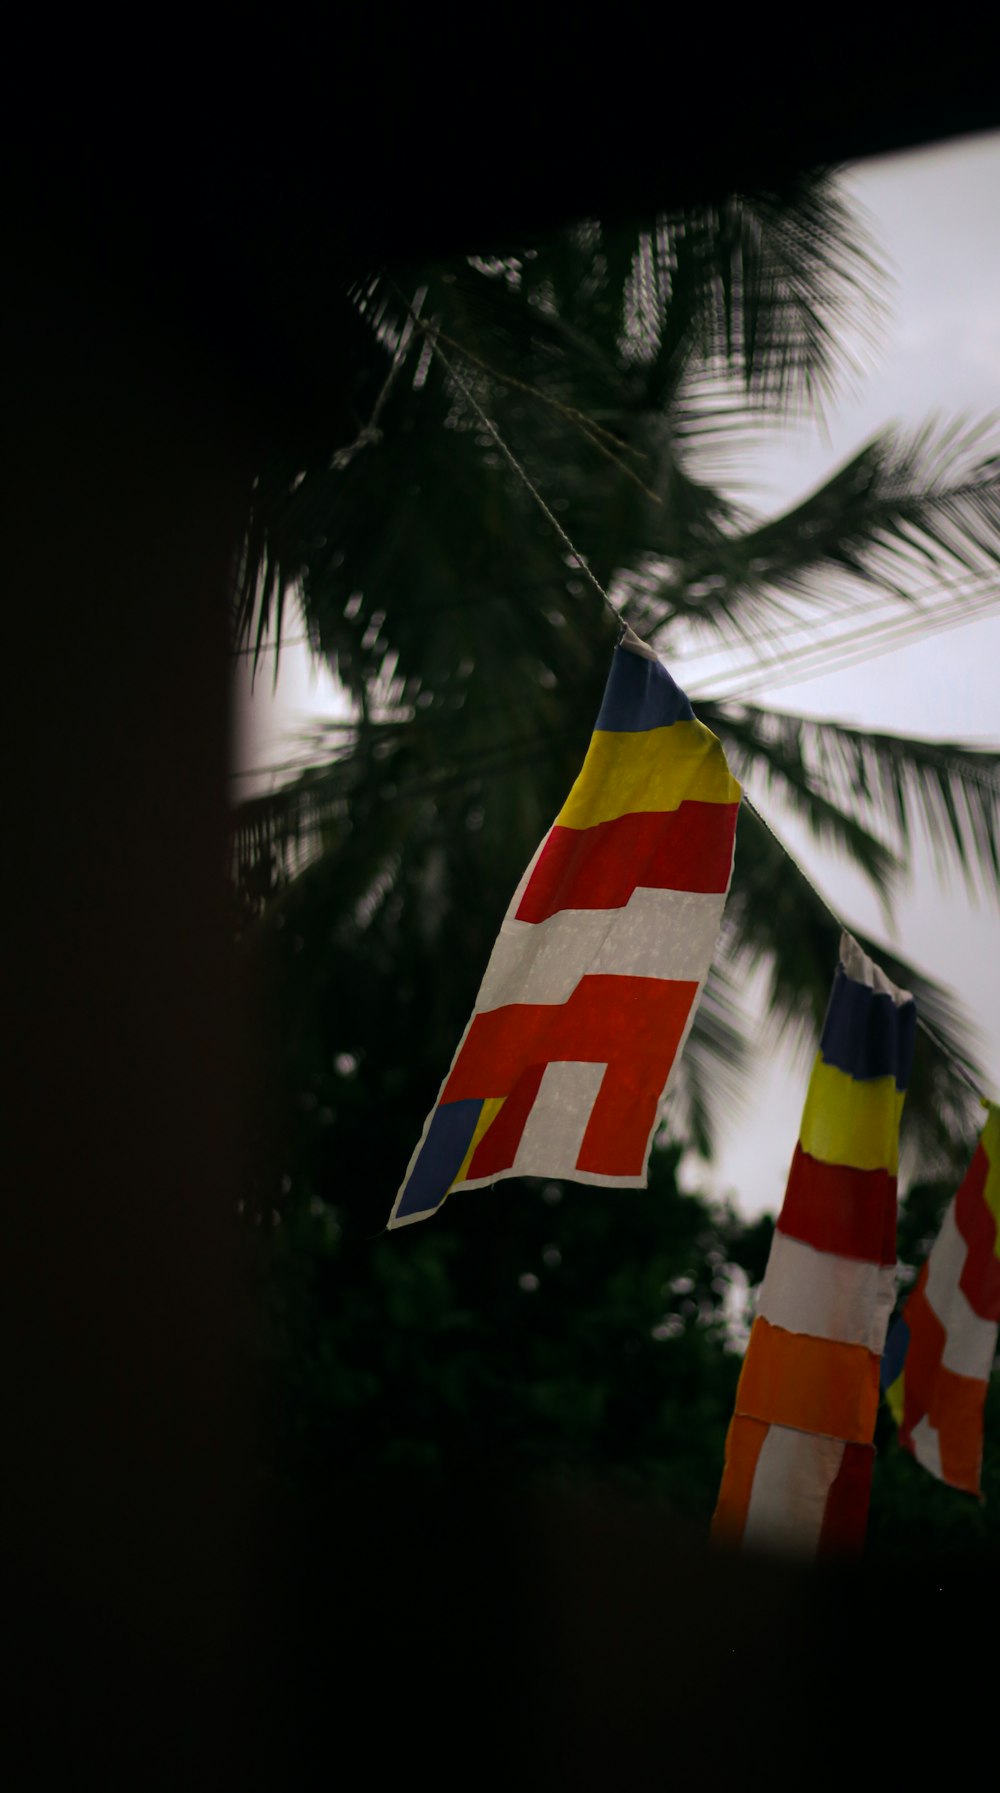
x=594 y=432
x=931 y=1032
x=370 y=433
x=512 y=460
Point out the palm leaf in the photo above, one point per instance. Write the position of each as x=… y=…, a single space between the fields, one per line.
x=757 y=289
x=765 y=289
x=712 y=1073
x=760 y=747
x=474 y=656
x=844 y=780
x=907 y=514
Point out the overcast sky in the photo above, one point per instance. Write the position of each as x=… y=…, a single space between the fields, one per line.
x=935 y=217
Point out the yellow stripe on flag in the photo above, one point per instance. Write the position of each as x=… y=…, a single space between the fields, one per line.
x=849 y=1122
x=894 y=1399
x=652 y=769
x=491 y=1108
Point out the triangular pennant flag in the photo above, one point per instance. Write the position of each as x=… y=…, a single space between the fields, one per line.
x=799 y=1451
x=592 y=984
x=940 y=1353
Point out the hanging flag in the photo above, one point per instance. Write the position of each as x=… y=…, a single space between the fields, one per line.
x=940 y=1352
x=799 y=1451
x=592 y=984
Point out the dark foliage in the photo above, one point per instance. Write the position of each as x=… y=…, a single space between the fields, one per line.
x=540 y=1333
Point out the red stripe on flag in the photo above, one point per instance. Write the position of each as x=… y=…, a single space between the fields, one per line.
x=845 y=1517
x=620 y=1124
x=952 y=1404
x=923 y=1356
x=837 y=1209
x=688 y=848
x=980 y=1278
x=497 y=1148
x=631 y=1024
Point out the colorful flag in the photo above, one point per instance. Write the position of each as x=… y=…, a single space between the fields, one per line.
x=799 y=1452
x=592 y=984
x=940 y=1352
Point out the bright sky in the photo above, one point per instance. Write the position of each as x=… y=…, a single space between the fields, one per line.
x=934 y=217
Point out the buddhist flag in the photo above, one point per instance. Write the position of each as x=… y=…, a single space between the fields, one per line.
x=799 y=1451
x=941 y=1350
x=592 y=984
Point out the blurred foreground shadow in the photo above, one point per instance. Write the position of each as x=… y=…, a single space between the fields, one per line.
x=574 y=1638
x=167 y=1625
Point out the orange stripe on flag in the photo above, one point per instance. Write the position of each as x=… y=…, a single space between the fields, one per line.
x=815 y=1385
x=950 y=1403
x=956 y=1413
x=744 y=1441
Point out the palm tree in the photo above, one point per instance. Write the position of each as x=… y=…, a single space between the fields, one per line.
x=627 y=367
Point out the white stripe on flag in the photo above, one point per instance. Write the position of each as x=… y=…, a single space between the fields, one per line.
x=667 y=934
x=970 y=1343
x=794 y=1474
x=827 y=1296
x=554 y=1130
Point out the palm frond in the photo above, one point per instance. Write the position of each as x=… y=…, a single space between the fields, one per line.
x=907 y=515
x=763 y=745
x=844 y=780
x=473 y=656
x=711 y=1077
x=385 y=772
x=613 y=325
x=766 y=288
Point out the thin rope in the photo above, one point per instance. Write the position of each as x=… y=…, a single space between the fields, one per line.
x=594 y=432
x=546 y=398
x=761 y=674
x=932 y=1034
x=371 y=435
x=366 y=435
x=946 y=1052
x=509 y=455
